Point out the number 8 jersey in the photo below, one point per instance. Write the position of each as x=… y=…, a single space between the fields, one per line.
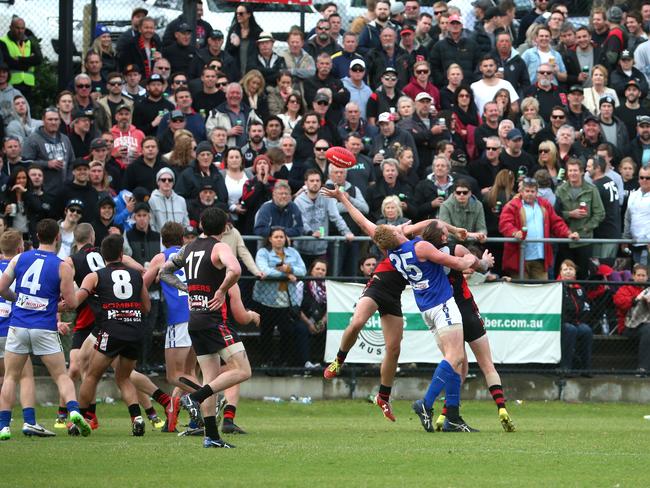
x=429 y=281
x=119 y=291
x=38 y=287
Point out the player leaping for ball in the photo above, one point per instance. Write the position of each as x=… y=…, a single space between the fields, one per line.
x=423 y=266
x=382 y=293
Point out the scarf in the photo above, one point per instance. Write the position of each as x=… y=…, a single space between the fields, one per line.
x=467 y=118
x=147 y=62
x=317 y=290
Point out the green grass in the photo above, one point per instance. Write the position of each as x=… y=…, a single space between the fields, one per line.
x=348 y=443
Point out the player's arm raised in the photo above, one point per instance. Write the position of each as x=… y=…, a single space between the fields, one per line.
x=168 y=269
x=239 y=312
x=87 y=287
x=7 y=279
x=427 y=251
x=483 y=264
x=67 y=286
x=152 y=272
x=222 y=254
x=411 y=230
x=366 y=226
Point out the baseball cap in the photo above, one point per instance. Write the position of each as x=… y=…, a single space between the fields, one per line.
x=358 y=62
x=176 y=114
x=207 y=186
x=397 y=8
x=633 y=82
x=75 y=202
x=590 y=118
x=455 y=18
x=321 y=97
x=625 y=54
x=130 y=68
x=265 y=36
x=155 y=77
x=514 y=134
x=98 y=143
x=389 y=69
x=407 y=29
x=80 y=162
x=139 y=10
x=384 y=117
x=183 y=27
x=216 y=34
x=124 y=106
x=423 y=96
x=141 y=206
x=107 y=200
x=606 y=99
x=141 y=194
x=643 y=120
x=576 y=88
x=483 y=4
x=80 y=114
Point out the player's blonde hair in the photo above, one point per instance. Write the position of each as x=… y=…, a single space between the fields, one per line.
x=10 y=242
x=385 y=237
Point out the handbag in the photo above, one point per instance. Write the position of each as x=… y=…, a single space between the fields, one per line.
x=294 y=310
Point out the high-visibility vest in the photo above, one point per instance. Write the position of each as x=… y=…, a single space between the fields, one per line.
x=15 y=52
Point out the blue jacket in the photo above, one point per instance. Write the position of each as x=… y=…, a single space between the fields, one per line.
x=268 y=292
x=270 y=215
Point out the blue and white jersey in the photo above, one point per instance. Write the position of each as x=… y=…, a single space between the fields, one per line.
x=429 y=281
x=5 y=306
x=177 y=309
x=38 y=287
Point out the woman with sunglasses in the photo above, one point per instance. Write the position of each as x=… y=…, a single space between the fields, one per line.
x=547 y=159
x=420 y=82
x=242 y=36
x=293 y=110
x=467 y=118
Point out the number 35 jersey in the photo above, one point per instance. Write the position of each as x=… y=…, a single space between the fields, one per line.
x=429 y=281
x=38 y=287
x=119 y=291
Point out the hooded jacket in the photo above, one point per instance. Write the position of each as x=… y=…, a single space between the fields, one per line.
x=167 y=209
x=18 y=128
x=41 y=147
x=132 y=138
x=317 y=215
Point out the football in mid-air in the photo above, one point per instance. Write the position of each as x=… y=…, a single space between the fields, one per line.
x=341 y=157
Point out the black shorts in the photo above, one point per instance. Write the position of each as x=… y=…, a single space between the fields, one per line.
x=213 y=340
x=112 y=346
x=473 y=327
x=79 y=337
x=386 y=293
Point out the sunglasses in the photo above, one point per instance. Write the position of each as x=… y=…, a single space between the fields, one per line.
x=390 y=78
x=240 y=14
x=115 y=83
x=82 y=86
x=544 y=72
x=557 y=117
x=163 y=68
x=439 y=12
x=75 y=210
x=180 y=82
x=293 y=100
x=463 y=95
x=166 y=180
x=644 y=177
x=357 y=69
x=422 y=71
x=322 y=102
x=178 y=119
x=462 y=192
x=544 y=151
x=321 y=148
x=220 y=85
x=492 y=148
x=529 y=181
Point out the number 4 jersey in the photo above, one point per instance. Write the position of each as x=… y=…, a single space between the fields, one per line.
x=119 y=290
x=38 y=287
x=429 y=281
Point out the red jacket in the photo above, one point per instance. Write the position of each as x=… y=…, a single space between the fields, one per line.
x=413 y=88
x=624 y=299
x=513 y=218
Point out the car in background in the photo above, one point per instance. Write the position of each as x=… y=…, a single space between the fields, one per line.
x=276 y=17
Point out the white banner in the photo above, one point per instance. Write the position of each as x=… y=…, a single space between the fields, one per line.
x=523 y=324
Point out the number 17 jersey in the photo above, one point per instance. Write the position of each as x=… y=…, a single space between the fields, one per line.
x=428 y=279
x=38 y=287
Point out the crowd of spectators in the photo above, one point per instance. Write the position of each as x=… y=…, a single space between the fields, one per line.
x=525 y=128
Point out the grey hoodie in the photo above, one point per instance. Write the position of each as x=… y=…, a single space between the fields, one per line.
x=40 y=147
x=167 y=209
x=316 y=214
x=7 y=103
x=17 y=128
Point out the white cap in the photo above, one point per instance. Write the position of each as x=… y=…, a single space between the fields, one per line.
x=384 y=117
x=422 y=96
x=358 y=62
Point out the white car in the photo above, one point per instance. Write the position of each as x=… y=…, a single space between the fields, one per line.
x=276 y=18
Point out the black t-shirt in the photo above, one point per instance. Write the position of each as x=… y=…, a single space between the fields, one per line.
x=514 y=162
x=628 y=116
x=207 y=101
x=610 y=227
x=119 y=291
x=85 y=261
x=203 y=280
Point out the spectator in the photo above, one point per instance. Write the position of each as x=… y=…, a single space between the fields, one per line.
x=464 y=210
x=361 y=175
x=131 y=88
x=610 y=227
x=207 y=198
x=549 y=132
x=576 y=336
x=633 y=313
x=115 y=98
x=511 y=67
x=84 y=100
x=13 y=201
x=200 y=172
x=65 y=106
x=357 y=90
x=99 y=153
x=567 y=147
x=257 y=190
x=165 y=204
x=543 y=54
x=547 y=93
x=50 y=150
x=292 y=110
x=253 y=87
x=202 y=32
x=548 y=159
x=233 y=238
x=313 y=312
x=317 y=212
x=142 y=172
x=148 y=113
x=405 y=157
x=616 y=40
x=627 y=168
x=639 y=147
x=255 y=144
x=513 y=157
x=218 y=137
x=182 y=50
x=613 y=128
x=102 y=46
x=384 y=145
x=235 y=178
x=104 y=221
x=232 y=115
x=405 y=108
x=139 y=51
x=175 y=125
x=389 y=184
x=299 y=63
x=7 y=94
x=279 y=211
x=99 y=180
x=22 y=53
x=466 y=118
x=576 y=111
x=127 y=139
x=341 y=60
x=194 y=122
x=12 y=157
x=432 y=191
x=369 y=37
x=579 y=204
x=273 y=130
x=266 y=61
x=631 y=109
x=598 y=90
x=322 y=41
x=214 y=51
x=82 y=133
x=207 y=95
x=455 y=48
x=625 y=73
x=367 y=265
x=637 y=218
x=242 y=36
x=278 y=300
x=489 y=85
x=635 y=30
x=485 y=169
x=21 y=125
x=73 y=212
x=528 y=215
x=130 y=34
x=494 y=200
x=79 y=189
x=420 y=83
x=489 y=128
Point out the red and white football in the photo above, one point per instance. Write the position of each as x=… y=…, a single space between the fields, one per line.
x=341 y=157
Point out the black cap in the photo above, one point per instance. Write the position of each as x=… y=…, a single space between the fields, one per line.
x=176 y=114
x=139 y=10
x=155 y=77
x=633 y=82
x=79 y=162
x=606 y=99
x=141 y=194
x=75 y=202
x=4 y=66
x=493 y=12
x=190 y=230
x=643 y=120
x=81 y=114
x=142 y=206
x=124 y=106
x=576 y=88
x=207 y=186
x=590 y=118
x=183 y=27
x=107 y=200
x=98 y=143
x=216 y=34
x=389 y=69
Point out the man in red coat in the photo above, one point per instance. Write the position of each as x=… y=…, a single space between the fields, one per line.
x=528 y=215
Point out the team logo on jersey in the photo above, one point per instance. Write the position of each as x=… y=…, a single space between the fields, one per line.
x=5 y=310
x=30 y=302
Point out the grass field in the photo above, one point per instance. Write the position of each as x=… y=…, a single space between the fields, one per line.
x=348 y=444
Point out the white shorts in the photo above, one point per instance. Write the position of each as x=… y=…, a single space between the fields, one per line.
x=3 y=341
x=443 y=316
x=177 y=336
x=33 y=341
